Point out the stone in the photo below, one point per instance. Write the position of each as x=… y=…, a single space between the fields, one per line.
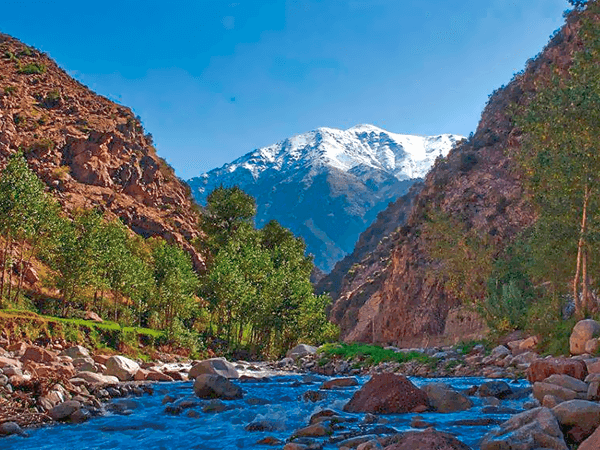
x=121 y=367
x=91 y=315
x=444 y=399
x=541 y=389
x=319 y=416
x=499 y=352
x=5 y=361
x=141 y=375
x=541 y=369
x=63 y=410
x=269 y=440
x=339 y=383
x=497 y=389
x=529 y=344
x=429 y=439
x=98 y=378
x=76 y=352
x=592 y=346
x=214 y=406
x=294 y=446
x=593 y=393
x=261 y=425
x=316 y=430
x=592 y=442
x=214 y=366
x=387 y=393
x=8 y=428
x=567 y=382
x=38 y=355
x=579 y=418
x=155 y=375
x=216 y=386
x=313 y=396
x=583 y=331
x=531 y=430
x=550 y=401
x=369 y=445
x=419 y=422
x=301 y=350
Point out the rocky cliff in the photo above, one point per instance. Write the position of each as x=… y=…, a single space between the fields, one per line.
x=90 y=151
x=399 y=297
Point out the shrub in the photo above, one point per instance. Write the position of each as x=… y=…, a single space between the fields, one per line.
x=32 y=68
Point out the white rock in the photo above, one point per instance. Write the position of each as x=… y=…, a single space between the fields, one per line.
x=122 y=368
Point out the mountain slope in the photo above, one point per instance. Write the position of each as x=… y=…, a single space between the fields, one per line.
x=401 y=296
x=91 y=152
x=328 y=185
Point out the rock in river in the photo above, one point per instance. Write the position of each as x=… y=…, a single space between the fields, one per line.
x=388 y=393
x=216 y=386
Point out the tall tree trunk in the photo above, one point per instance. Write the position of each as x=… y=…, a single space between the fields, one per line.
x=580 y=302
x=21 y=267
x=4 y=265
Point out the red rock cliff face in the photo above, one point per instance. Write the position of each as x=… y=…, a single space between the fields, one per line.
x=91 y=152
x=399 y=298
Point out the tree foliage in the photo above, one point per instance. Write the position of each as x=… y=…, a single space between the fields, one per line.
x=561 y=159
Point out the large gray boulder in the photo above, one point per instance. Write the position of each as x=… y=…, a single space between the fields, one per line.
x=301 y=350
x=530 y=430
x=122 y=368
x=567 y=382
x=216 y=386
x=214 y=366
x=579 y=418
x=583 y=331
x=444 y=399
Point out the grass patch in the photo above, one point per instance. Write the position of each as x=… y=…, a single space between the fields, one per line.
x=372 y=354
x=104 y=335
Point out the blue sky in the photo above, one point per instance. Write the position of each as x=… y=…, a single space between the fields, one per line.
x=213 y=80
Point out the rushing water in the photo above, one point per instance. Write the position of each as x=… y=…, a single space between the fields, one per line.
x=147 y=426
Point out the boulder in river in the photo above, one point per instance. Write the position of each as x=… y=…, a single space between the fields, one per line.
x=530 y=430
x=339 y=383
x=388 y=393
x=214 y=366
x=64 y=410
x=498 y=389
x=429 y=439
x=216 y=386
x=444 y=399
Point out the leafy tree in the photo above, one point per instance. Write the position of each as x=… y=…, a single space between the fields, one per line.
x=226 y=210
x=175 y=282
x=76 y=253
x=561 y=157
x=27 y=215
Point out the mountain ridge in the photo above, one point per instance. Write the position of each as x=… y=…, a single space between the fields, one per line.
x=355 y=172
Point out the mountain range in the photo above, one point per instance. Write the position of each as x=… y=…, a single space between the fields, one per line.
x=328 y=185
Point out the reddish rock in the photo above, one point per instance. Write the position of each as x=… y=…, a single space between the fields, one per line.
x=387 y=394
x=429 y=439
x=101 y=359
x=38 y=355
x=541 y=369
x=91 y=315
x=591 y=443
x=155 y=375
x=339 y=383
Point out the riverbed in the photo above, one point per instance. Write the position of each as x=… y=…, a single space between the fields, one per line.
x=172 y=418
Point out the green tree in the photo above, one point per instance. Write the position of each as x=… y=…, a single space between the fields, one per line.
x=27 y=216
x=226 y=210
x=175 y=282
x=561 y=159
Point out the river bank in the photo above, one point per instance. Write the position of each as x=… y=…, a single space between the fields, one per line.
x=485 y=389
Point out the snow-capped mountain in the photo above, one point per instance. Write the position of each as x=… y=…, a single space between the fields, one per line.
x=328 y=185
